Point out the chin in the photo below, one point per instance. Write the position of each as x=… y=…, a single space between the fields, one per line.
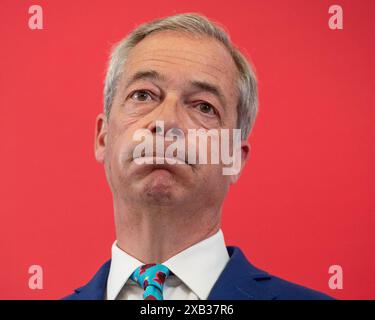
x=158 y=196
x=160 y=187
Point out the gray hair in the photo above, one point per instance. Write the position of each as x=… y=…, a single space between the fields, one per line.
x=192 y=23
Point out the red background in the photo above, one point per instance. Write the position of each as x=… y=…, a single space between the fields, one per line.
x=305 y=201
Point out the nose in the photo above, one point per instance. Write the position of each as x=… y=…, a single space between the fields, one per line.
x=167 y=118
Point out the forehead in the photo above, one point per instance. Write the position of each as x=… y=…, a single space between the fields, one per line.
x=182 y=57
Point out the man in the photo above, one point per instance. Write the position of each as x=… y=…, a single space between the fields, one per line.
x=178 y=73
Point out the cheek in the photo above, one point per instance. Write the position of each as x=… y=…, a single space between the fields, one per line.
x=119 y=123
x=211 y=174
x=213 y=184
x=117 y=148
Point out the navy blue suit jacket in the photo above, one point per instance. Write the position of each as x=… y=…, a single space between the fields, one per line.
x=240 y=280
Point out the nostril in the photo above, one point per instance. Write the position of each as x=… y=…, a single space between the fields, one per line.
x=176 y=132
x=158 y=129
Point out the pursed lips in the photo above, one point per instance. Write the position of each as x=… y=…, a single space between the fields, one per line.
x=158 y=160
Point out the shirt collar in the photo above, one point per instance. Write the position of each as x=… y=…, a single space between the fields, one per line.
x=198 y=266
x=122 y=266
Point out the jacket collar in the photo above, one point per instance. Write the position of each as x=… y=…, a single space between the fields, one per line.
x=239 y=280
x=95 y=288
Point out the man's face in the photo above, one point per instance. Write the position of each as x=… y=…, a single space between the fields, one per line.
x=173 y=66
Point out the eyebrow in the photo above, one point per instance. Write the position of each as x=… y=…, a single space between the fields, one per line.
x=201 y=85
x=208 y=87
x=145 y=75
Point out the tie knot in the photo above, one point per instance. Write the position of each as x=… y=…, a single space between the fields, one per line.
x=151 y=277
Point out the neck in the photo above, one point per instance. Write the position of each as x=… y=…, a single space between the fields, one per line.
x=153 y=234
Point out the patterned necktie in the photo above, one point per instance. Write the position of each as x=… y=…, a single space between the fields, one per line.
x=151 y=277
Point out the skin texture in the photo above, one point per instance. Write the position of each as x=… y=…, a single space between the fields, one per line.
x=161 y=210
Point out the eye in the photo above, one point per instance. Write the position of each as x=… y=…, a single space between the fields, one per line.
x=206 y=108
x=141 y=95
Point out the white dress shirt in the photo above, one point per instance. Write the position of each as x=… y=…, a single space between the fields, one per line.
x=196 y=269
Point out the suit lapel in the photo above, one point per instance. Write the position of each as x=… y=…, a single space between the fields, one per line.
x=240 y=280
x=95 y=289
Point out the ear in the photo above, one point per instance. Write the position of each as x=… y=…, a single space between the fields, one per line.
x=101 y=130
x=245 y=155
